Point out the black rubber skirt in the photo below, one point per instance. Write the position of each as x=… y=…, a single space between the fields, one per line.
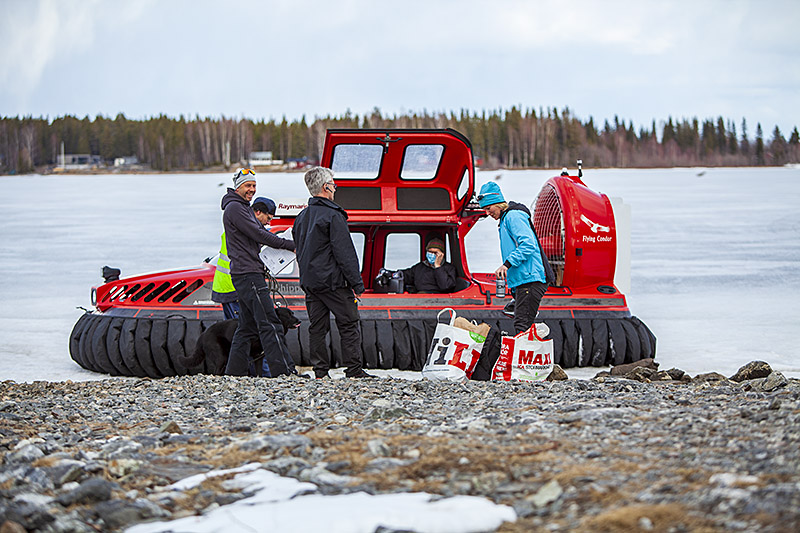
x=154 y=346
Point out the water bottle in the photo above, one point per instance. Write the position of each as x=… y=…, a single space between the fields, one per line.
x=500 y=287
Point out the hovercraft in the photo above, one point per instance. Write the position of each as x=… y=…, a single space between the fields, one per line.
x=395 y=184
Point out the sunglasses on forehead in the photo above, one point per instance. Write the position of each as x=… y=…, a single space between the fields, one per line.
x=245 y=172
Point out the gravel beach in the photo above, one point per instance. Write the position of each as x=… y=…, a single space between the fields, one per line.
x=646 y=450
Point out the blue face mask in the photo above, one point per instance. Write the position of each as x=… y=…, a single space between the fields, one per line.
x=431 y=257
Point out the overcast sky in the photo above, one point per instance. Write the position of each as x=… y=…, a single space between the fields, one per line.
x=641 y=60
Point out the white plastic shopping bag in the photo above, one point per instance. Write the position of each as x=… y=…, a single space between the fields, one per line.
x=454 y=351
x=526 y=356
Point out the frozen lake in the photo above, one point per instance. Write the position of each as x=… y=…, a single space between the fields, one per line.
x=715 y=272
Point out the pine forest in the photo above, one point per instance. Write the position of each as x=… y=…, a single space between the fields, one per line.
x=512 y=138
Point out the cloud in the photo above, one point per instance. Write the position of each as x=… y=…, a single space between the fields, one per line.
x=37 y=34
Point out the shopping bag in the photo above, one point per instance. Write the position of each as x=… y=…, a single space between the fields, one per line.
x=454 y=351
x=526 y=356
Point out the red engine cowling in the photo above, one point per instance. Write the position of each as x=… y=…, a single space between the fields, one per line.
x=576 y=228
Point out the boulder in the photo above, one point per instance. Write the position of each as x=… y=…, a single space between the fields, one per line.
x=752 y=370
x=621 y=370
x=770 y=383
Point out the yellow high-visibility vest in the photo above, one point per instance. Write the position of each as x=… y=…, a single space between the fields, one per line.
x=222 y=277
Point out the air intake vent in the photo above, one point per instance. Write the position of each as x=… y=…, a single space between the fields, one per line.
x=548 y=219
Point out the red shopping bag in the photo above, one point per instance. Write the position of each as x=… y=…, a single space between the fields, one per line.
x=454 y=351
x=526 y=356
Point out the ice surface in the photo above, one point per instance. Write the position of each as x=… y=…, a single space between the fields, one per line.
x=715 y=258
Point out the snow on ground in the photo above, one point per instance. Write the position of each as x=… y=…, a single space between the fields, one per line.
x=285 y=504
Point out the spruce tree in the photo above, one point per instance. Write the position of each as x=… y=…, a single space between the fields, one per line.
x=759 y=145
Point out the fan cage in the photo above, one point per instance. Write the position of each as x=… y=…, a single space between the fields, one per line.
x=548 y=221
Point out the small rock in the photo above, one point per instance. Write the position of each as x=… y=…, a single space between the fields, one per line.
x=621 y=370
x=92 y=490
x=117 y=448
x=275 y=442
x=10 y=526
x=386 y=463
x=412 y=454
x=25 y=454
x=386 y=413
x=709 y=376
x=676 y=373
x=770 y=383
x=752 y=370
x=170 y=427
x=119 y=513
x=549 y=492
x=322 y=476
x=378 y=448
x=641 y=373
x=123 y=467
x=557 y=374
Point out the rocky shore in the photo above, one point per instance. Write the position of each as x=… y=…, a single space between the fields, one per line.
x=632 y=449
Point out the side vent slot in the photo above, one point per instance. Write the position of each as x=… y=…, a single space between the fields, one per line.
x=161 y=288
x=147 y=288
x=170 y=293
x=196 y=284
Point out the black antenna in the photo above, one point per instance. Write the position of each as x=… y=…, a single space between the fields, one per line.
x=580 y=170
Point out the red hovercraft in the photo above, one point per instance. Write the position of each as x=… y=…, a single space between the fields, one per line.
x=396 y=185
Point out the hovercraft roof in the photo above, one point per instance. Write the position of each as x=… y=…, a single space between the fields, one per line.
x=418 y=176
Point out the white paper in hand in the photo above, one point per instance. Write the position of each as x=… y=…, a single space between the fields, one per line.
x=277 y=260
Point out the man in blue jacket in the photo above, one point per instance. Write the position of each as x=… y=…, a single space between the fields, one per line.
x=258 y=321
x=329 y=275
x=522 y=262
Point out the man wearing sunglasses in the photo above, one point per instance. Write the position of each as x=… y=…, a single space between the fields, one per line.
x=257 y=318
x=523 y=267
x=329 y=275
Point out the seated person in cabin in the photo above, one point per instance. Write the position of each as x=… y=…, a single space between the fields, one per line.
x=433 y=274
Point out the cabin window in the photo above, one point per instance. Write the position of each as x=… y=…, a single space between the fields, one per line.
x=358 y=242
x=402 y=251
x=463 y=187
x=421 y=161
x=357 y=161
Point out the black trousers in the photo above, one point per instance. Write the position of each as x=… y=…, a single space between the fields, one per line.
x=342 y=303
x=526 y=304
x=258 y=322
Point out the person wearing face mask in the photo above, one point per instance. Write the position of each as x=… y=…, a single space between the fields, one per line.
x=434 y=274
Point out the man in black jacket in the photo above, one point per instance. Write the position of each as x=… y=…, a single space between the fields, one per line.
x=257 y=318
x=432 y=275
x=329 y=275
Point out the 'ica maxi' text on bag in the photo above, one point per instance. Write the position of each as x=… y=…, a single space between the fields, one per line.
x=526 y=356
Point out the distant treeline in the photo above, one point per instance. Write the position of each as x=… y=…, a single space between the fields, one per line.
x=510 y=138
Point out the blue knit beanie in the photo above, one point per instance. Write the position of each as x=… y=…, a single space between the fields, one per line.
x=490 y=194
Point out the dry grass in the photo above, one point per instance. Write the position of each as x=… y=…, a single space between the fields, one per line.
x=631 y=518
